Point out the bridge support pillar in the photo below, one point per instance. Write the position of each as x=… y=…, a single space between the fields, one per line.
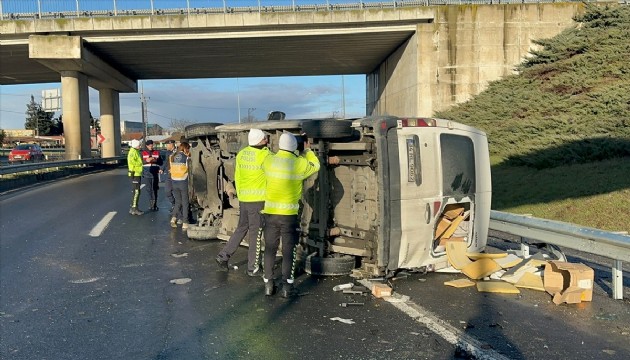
x=76 y=115
x=110 y=122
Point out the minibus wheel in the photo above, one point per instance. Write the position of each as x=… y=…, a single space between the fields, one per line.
x=327 y=129
x=197 y=130
x=329 y=266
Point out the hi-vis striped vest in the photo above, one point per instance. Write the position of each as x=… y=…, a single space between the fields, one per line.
x=285 y=172
x=179 y=166
x=249 y=175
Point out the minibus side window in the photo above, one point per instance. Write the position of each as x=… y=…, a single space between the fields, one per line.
x=414 y=170
x=458 y=165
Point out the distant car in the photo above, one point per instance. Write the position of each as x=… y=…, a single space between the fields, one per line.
x=26 y=152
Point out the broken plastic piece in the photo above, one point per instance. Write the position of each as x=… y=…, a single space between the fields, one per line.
x=343 y=287
x=345 y=321
x=181 y=281
x=497 y=287
x=459 y=283
x=351 y=304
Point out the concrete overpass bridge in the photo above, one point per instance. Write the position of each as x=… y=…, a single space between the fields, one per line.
x=417 y=58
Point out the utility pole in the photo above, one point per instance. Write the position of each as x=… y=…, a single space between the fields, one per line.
x=343 y=97
x=238 y=101
x=143 y=103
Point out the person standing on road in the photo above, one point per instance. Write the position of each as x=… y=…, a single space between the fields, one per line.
x=250 y=191
x=285 y=172
x=134 y=164
x=179 y=175
x=166 y=170
x=151 y=162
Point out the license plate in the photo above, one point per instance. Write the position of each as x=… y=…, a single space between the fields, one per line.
x=17 y=157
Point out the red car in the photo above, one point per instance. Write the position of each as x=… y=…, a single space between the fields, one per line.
x=26 y=152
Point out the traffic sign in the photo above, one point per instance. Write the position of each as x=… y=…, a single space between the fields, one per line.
x=101 y=138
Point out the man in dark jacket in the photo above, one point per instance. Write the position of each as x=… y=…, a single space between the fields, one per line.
x=151 y=162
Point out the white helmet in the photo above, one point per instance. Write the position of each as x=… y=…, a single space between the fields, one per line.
x=288 y=142
x=255 y=136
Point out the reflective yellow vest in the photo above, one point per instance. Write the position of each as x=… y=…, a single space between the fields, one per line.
x=178 y=166
x=285 y=172
x=249 y=175
x=134 y=162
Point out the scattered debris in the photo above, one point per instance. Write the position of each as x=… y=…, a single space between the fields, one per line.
x=508 y=261
x=179 y=255
x=480 y=268
x=506 y=272
x=497 y=287
x=235 y=267
x=477 y=256
x=381 y=290
x=351 y=304
x=532 y=281
x=456 y=254
x=460 y=283
x=181 y=281
x=567 y=282
x=345 y=321
x=354 y=292
x=343 y=287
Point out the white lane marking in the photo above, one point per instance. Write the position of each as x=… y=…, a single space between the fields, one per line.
x=440 y=327
x=141 y=186
x=98 y=229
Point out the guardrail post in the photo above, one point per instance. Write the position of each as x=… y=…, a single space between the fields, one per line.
x=617 y=280
x=524 y=248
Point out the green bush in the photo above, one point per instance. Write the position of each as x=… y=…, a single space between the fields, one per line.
x=569 y=103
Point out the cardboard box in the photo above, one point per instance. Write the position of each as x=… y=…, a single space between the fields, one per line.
x=568 y=282
x=381 y=290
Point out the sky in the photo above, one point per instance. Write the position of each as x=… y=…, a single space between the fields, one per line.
x=201 y=100
x=212 y=100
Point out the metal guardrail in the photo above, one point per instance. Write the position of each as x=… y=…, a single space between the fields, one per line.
x=16 y=169
x=41 y=9
x=608 y=244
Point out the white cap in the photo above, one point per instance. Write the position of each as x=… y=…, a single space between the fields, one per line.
x=255 y=137
x=135 y=143
x=288 y=142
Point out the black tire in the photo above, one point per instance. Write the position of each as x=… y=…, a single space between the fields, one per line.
x=197 y=130
x=329 y=266
x=327 y=129
x=195 y=232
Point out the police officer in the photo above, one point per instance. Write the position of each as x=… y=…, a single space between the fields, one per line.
x=134 y=164
x=151 y=162
x=165 y=169
x=285 y=172
x=250 y=190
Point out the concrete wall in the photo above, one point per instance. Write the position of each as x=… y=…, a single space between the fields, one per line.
x=455 y=57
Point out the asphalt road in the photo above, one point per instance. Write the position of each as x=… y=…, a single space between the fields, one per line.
x=65 y=294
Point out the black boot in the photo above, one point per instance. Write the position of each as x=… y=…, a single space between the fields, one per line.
x=288 y=290
x=223 y=264
x=269 y=288
x=154 y=205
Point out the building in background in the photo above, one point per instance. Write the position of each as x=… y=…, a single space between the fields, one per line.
x=129 y=127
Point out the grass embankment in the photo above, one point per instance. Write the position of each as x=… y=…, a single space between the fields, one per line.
x=559 y=130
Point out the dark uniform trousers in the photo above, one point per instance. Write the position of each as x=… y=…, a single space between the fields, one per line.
x=249 y=223
x=151 y=179
x=285 y=226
